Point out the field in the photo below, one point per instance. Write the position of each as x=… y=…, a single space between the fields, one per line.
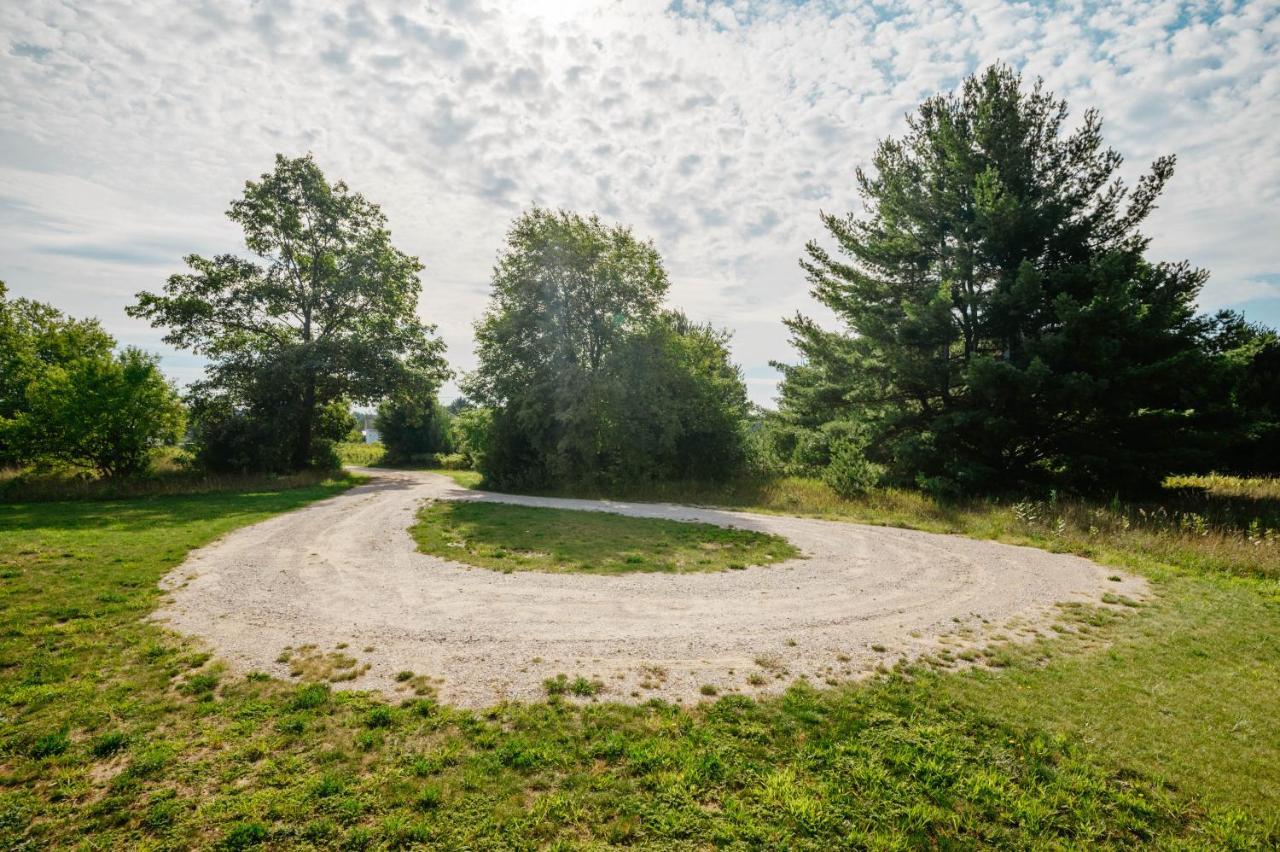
x=1155 y=726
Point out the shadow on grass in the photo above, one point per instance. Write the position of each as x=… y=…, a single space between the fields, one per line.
x=143 y=513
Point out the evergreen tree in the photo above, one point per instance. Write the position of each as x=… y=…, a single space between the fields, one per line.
x=1002 y=324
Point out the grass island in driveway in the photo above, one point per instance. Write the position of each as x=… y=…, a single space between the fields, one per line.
x=529 y=538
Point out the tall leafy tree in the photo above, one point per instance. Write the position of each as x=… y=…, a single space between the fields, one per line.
x=34 y=337
x=104 y=411
x=1002 y=325
x=65 y=396
x=576 y=354
x=324 y=311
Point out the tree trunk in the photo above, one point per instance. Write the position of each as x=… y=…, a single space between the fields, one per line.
x=302 y=449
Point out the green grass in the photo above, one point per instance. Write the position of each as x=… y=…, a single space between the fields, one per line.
x=465 y=478
x=171 y=474
x=1209 y=524
x=1186 y=688
x=504 y=537
x=1155 y=727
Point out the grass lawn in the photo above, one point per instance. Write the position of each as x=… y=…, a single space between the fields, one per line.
x=1157 y=727
x=524 y=538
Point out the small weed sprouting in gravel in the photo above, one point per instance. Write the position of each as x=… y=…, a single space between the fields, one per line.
x=708 y=689
x=879 y=649
x=756 y=679
x=585 y=688
x=402 y=676
x=557 y=685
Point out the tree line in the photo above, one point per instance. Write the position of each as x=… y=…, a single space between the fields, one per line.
x=1001 y=328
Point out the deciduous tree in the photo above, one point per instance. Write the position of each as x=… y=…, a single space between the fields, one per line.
x=325 y=311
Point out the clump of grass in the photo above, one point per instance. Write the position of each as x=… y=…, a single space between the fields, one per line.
x=586 y=687
x=708 y=689
x=108 y=744
x=309 y=663
x=507 y=538
x=653 y=677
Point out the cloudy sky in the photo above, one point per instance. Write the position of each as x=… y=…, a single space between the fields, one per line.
x=718 y=129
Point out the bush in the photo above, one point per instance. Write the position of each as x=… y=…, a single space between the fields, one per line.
x=413 y=429
x=261 y=436
x=103 y=411
x=453 y=461
x=849 y=473
x=469 y=431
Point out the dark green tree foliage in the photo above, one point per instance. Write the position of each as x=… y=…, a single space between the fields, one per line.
x=1247 y=426
x=675 y=402
x=413 y=429
x=66 y=397
x=324 y=314
x=587 y=377
x=1003 y=325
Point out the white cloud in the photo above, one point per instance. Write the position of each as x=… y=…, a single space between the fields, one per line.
x=718 y=129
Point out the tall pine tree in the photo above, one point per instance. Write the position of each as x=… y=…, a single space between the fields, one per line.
x=1003 y=327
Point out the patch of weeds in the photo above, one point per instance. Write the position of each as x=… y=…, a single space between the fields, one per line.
x=244 y=835
x=708 y=689
x=108 y=744
x=200 y=685
x=584 y=687
x=653 y=677
x=309 y=696
x=557 y=685
x=50 y=745
x=309 y=663
x=429 y=798
x=380 y=716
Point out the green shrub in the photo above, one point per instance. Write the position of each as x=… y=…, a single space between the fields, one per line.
x=849 y=473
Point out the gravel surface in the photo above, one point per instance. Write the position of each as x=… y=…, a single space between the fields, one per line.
x=345 y=571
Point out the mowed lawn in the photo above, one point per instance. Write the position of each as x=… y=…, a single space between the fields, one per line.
x=507 y=538
x=1157 y=726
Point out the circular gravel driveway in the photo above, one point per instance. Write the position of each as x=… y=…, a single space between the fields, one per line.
x=345 y=571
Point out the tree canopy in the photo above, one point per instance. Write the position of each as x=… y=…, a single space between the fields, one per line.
x=588 y=377
x=65 y=396
x=324 y=313
x=1002 y=325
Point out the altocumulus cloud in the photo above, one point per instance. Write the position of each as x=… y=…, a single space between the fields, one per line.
x=718 y=129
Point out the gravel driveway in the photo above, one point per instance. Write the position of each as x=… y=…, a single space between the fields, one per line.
x=345 y=571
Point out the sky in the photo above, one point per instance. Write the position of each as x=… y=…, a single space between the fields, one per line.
x=720 y=130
